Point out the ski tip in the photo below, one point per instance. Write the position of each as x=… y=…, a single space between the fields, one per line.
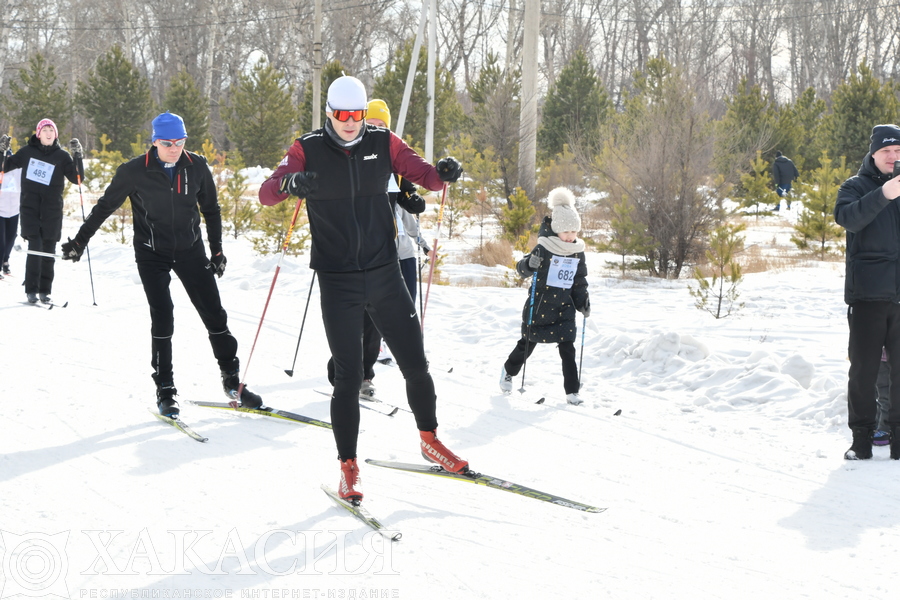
x=541 y=401
x=617 y=413
x=451 y=370
x=66 y=304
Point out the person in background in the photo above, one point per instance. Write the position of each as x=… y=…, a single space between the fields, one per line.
x=10 y=196
x=559 y=289
x=45 y=165
x=169 y=188
x=784 y=172
x=343 y=171
x=867 y=210
x=882 y=435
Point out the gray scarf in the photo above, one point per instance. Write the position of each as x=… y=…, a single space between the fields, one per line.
x=559 y=247
x=339 y=140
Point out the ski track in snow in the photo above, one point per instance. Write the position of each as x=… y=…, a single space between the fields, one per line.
x=723 y=474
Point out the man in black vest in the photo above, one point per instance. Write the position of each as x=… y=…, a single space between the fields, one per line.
x=343 y=170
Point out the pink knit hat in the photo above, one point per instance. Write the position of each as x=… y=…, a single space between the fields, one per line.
x=45 y=123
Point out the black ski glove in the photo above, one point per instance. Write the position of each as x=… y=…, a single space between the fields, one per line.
x=299 y=184
x=72 y=250
x=449 y=169
x=75 y=148
x=413 y=203
x=217 y=264
x=423 y=245
x=4 y=144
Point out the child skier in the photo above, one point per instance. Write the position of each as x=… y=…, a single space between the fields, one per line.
x=558 y=289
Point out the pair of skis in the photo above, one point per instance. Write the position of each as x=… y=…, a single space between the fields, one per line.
x=266 y=411
x=358 y=511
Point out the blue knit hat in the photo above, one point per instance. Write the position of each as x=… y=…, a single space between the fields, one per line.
x=168 y=127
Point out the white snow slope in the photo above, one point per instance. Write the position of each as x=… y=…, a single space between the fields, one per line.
x=723 y=474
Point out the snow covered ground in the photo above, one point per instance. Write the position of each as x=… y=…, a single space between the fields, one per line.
x=723 y=474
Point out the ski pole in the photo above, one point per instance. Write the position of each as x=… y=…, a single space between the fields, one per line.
x=287 y=242
x=45 y=254
x=290 y=372
x=581 y=354
x=434 y=250
x=83 y=219
x=528 y=328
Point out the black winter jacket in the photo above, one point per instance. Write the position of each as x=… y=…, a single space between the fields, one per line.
x=784 y=171
x=165 y=212
x=41 y=203
x=553 y=316
x=873 y=236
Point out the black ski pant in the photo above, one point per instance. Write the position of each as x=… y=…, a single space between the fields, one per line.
x=8 y=227
x=39 y=269
x=873 y=325
x=380 y=292
x=200 y=285
x=524 y=349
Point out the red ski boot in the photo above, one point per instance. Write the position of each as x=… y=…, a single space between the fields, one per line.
x=350 y=487
x=435 y=451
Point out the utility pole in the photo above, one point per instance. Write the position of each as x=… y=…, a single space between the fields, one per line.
x=528 y=115
x=317 y=67
x=432 y=48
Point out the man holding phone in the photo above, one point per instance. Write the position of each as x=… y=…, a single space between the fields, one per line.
x=866 y=208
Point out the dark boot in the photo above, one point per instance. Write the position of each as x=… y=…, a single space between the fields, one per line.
x=862 y=445
x=231 y=381
x=895 y=443
x=165 y=400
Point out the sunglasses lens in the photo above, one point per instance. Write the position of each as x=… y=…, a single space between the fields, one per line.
x=346 y=115
x=170 y=143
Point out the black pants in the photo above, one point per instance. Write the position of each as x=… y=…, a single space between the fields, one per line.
x=8 y=227
x=200 y=285
x=524 y=349
x=39 y=269
x=371 y=335
x=380 y=292
x=873 y=325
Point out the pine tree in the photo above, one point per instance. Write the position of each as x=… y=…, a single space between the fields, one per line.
x=799 y=130
x=260 y=115
x=116 y=99
x=481 y=173
x=495 y=118
x=815 y=228
x=757 y=187
x=515 y=220
x=749 y=125
x=628 y=238
x=447 y=111
x=712 y=295
x=856 y=106
x=273 y=225
x=38 y=94
x=98 y=173
x=184 y=99
x=575 y=107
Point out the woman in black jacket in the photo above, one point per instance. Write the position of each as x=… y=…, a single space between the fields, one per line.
x=44 y=164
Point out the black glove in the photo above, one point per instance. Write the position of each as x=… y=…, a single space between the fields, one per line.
x=586 y=309
x=75 y=148
x=72 y=250
x=217 y=264
x=424 y=246
x=413 y=203
x=4 y=144
x=534 y=261
x=449 y=169
x=299 y=184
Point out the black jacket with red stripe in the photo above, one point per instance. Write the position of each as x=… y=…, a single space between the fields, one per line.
x=166 y=210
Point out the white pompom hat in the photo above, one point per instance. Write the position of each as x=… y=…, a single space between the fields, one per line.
x=564 y=217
